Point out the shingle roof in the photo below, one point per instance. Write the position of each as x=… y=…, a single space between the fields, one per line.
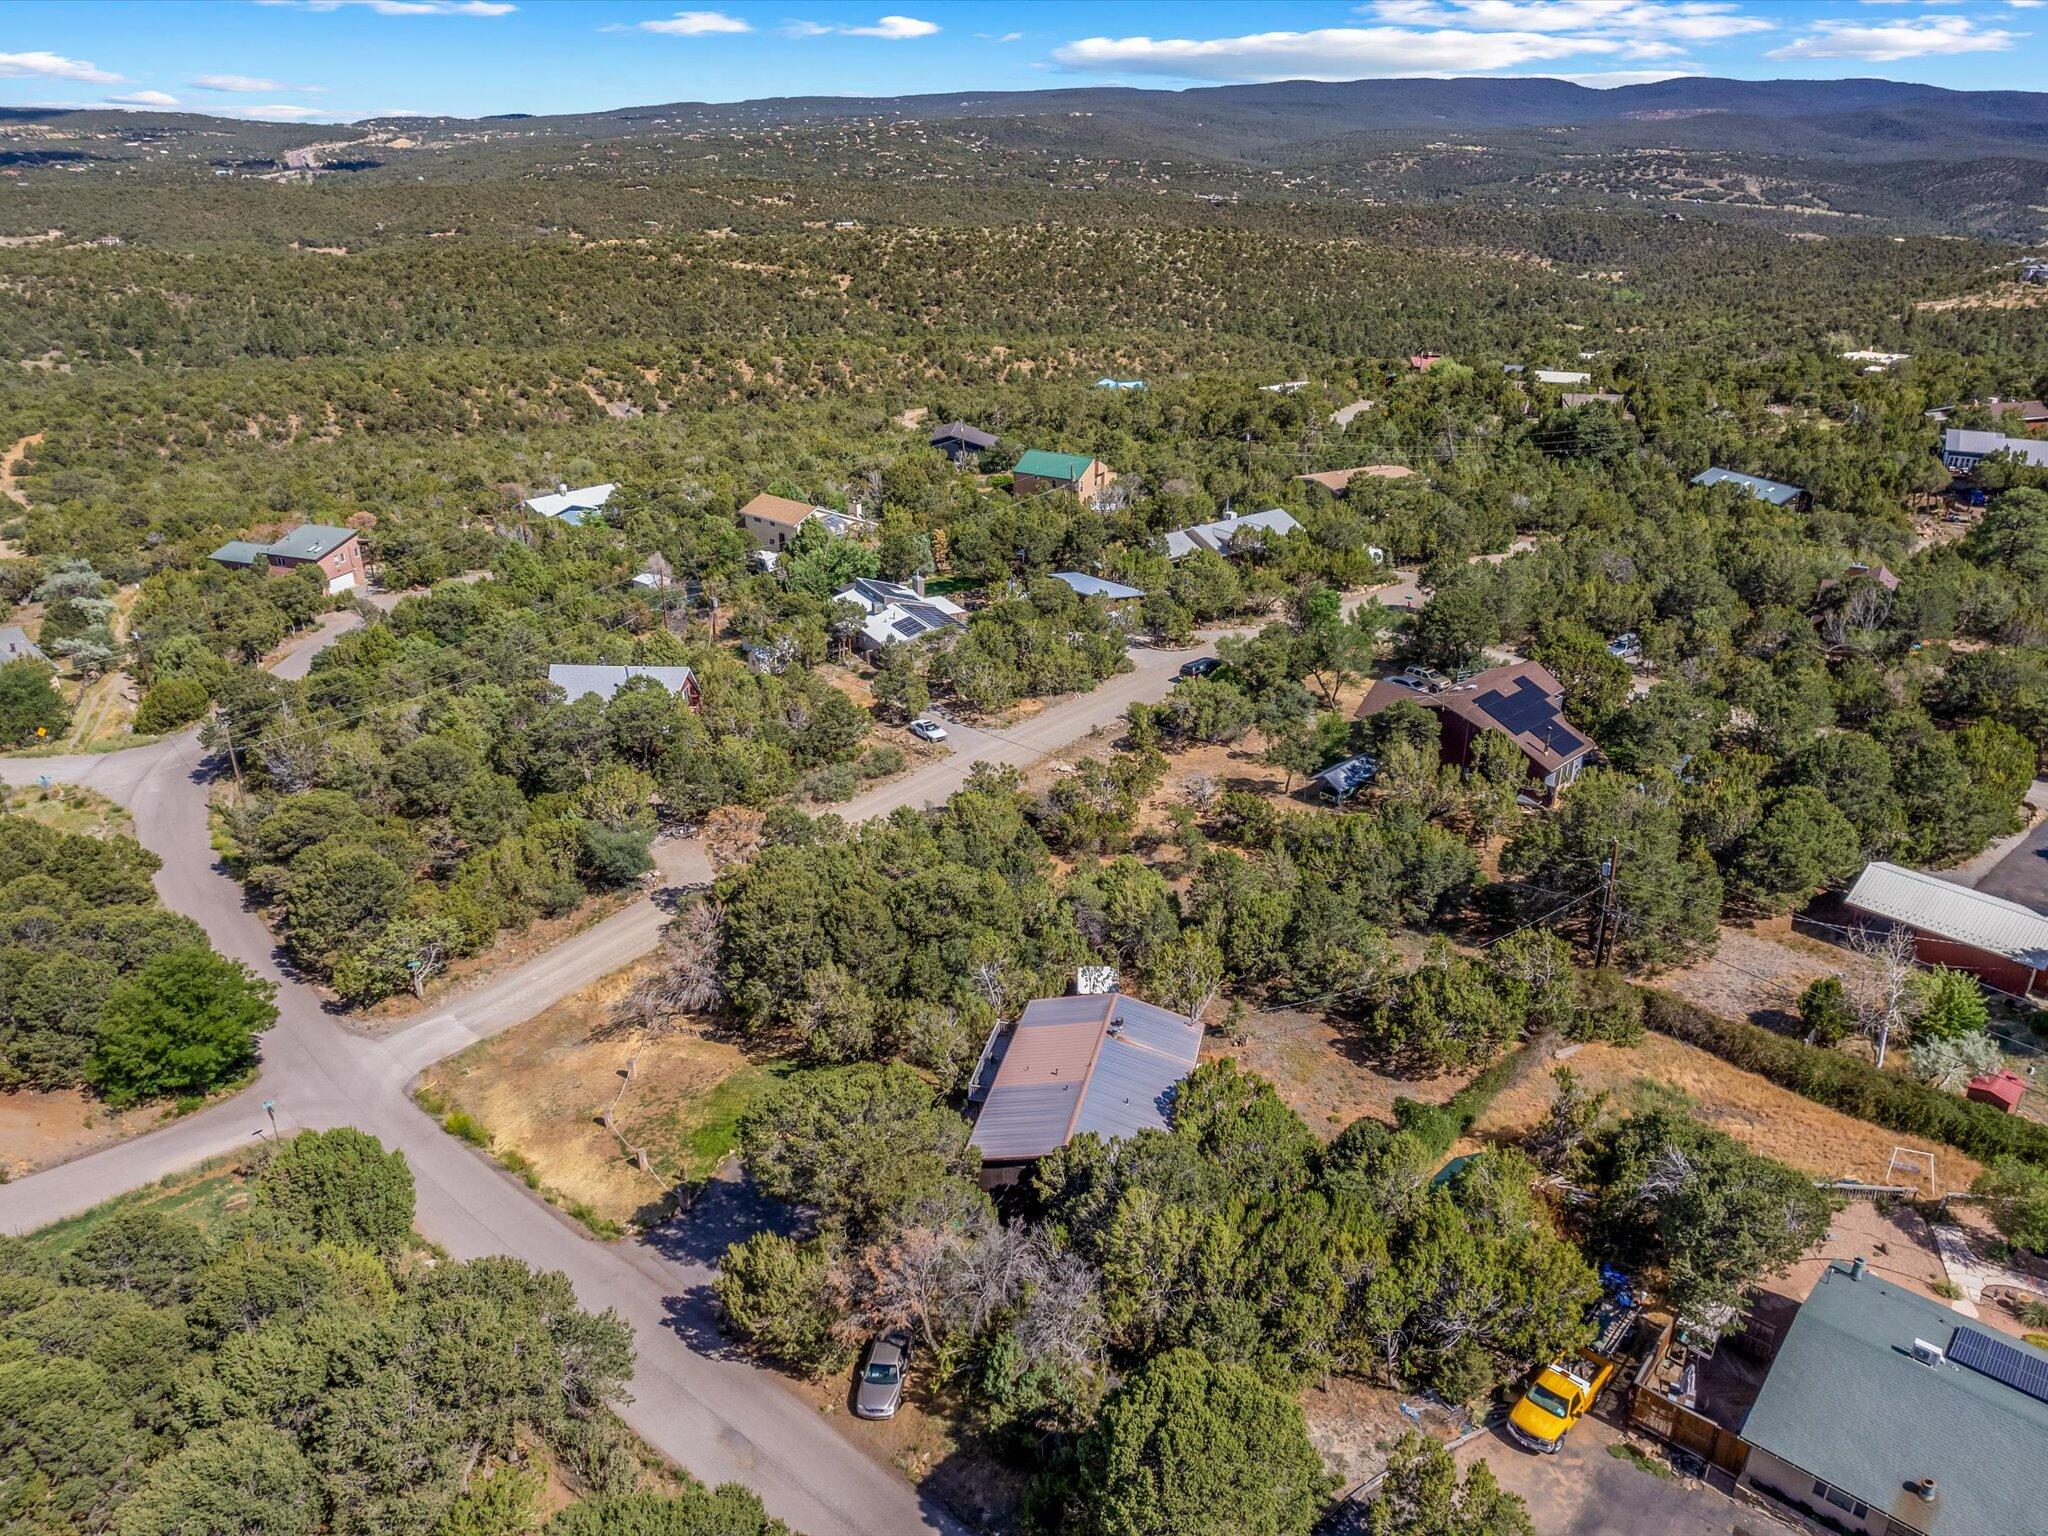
x=1096 y=586
x=1847 y=1402
x=1216 y=536
x=15 y=645
x=1775 y=492
x=309 y=541
x=777 y=509
x=604 y=681
x=1104 y=1063
x=961 y=432
x=570 y=505
x=1951 y=911
x=1053 y=466
x=1337 y=481
x=1524 y=702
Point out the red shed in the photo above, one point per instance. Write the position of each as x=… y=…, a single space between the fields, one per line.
x=2000 y=1088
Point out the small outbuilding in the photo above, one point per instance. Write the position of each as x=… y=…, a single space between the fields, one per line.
x=2004 y=1089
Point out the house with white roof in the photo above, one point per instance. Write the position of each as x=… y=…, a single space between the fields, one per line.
x=578 y=680
x=1230 y=532
x=897 y=613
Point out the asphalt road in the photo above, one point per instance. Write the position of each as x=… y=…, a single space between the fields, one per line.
x=692 y=1399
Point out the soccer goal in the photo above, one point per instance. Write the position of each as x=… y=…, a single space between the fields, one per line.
x=1911 y=1161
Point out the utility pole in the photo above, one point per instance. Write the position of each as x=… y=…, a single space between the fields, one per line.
x=227 y=733
x=1607 y=907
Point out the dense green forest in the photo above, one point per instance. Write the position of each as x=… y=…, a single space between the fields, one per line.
x=306 y=1365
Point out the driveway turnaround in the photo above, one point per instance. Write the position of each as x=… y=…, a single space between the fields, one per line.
x=693 y=1399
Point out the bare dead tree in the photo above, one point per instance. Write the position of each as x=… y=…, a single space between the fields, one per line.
x=1880 y=995
x=1202 y=791
x=685 y=978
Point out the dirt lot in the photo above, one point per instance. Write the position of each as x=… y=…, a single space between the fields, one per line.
x=1353 y=1425
x=1320 y=1075
x=39 y=1130
x=1758 y=973
x=540 y=1090
x=1761 y=1115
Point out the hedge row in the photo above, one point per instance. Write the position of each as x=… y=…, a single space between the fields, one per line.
x=1854 y=1087
x=1439 y=1126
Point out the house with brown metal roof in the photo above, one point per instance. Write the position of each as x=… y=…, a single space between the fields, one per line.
x=1338 y=481
x=1523 y=702
x=1104 y=1063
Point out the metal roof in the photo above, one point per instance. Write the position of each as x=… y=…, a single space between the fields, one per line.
x=1950 y=911
x=1104 y=1063
x=577 y=680
x=1847 y=1402
x=309 y=541
x=15 y=645
x=1216 y=536
x=961 y=432
x=1562 y=376
x=238 y=552
x=1053 y=466
x=1095 y=586
x=570 y=505
x=1973 y=444
x=1775 y=492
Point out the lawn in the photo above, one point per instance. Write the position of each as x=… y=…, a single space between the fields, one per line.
x=537 y=1096
x=204 y=1195
x=69 y=808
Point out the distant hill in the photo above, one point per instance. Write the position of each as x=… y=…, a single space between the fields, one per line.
x=1914 y=157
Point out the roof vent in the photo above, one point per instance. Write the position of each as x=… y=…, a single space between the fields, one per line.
x=1858 y=1268
x=1928 y=1354
x=1926 y=1488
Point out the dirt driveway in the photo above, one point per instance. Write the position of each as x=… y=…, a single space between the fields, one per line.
x=1585 y=1491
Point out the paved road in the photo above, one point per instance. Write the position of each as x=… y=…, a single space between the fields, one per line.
x=710 y=1412
x=2019 y=871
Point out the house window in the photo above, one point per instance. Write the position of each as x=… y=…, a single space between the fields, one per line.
x=1839 y=1499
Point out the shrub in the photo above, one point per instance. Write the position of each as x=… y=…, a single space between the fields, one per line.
x=171 y=703
x=464 y=1126
x=340 y=1186
x=1851 y=1086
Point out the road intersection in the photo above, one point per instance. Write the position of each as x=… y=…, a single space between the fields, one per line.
x=710 y=1412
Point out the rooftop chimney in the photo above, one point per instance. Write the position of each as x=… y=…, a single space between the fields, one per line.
x=917 y=583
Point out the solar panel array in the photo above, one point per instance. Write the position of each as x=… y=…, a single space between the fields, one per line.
x=2001 y=1361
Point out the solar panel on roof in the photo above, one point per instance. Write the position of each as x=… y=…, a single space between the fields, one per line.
x=909 y=628
x=2001 y=1362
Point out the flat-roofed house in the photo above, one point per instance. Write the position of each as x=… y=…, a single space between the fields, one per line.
x=1523 y=702
x=578 y=680
x=1886 y=1413
x=1105 y=1063
x=1996 y=940
x=1776 y=492
x=570 y=505
x=1075 y=473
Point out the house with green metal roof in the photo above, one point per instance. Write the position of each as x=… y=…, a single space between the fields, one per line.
x=1889 y=1414
x=1074 y=474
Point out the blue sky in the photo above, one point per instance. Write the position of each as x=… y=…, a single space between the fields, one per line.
x=335 y=60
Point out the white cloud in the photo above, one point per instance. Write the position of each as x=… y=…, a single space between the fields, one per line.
x=407 y=7
x=693 y=24
x=894 y=28
x=254 y=85
x=1896 y=40
x=142 y=99
x=44 y=65
x=276 y=112
x=1004 y=37
x=1685 y=21
x=1328 y=53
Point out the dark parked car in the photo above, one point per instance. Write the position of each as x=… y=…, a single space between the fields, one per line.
x=1201 y=666
x=879 y=1391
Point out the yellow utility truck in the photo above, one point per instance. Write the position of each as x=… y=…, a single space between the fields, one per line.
x=1565 y=1390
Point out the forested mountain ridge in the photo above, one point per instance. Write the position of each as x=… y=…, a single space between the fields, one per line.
x=1875 y=150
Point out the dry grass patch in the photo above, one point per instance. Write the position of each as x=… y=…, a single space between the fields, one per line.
x=537 y=1095
x=1762 y=1116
